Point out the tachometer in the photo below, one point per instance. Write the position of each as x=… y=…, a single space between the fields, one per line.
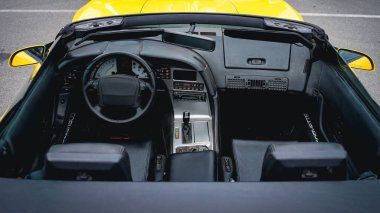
x=139 y=70
x=108 y=67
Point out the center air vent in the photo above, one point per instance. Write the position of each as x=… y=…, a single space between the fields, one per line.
x=256 y=83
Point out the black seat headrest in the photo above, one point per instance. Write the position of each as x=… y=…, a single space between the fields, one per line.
x=305 y=161
x=88 y=161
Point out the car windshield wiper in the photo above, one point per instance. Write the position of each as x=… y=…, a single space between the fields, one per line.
x=177 y=38
x=269 y=35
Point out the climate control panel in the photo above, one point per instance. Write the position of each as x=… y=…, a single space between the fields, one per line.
x=163 y=73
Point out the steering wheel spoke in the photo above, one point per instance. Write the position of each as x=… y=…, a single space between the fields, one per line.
x=98 y=108
x=150 y=88
x=93 y=83
x=139 y=110
x=146 y=86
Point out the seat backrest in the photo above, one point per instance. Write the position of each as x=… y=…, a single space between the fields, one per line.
x=304 y=161
x=248 y=157
x=88 y=161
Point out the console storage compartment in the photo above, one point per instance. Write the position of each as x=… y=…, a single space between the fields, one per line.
x=192 y=167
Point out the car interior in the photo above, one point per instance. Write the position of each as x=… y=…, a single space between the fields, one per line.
x=244 y=109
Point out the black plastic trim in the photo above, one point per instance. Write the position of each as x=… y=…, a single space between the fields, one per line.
x=313 y=197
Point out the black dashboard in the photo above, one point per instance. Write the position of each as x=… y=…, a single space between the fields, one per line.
x=243 y=64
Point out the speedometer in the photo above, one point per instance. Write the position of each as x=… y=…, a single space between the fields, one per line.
x=139 y=70
x=108 y=67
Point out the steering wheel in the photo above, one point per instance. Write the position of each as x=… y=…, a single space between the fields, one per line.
x=111 y=97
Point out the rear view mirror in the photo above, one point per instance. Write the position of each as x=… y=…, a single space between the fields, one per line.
x=357 y=60
x=27 y=56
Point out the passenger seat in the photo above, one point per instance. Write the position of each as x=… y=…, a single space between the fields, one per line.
x=249 y=157
x=285 y=161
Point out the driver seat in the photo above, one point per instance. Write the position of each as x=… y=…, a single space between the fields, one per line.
x=129 y=161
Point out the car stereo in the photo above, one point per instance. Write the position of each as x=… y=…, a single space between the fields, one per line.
x=184 y=75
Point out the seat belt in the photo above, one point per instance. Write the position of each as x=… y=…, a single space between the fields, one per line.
x=62 y=121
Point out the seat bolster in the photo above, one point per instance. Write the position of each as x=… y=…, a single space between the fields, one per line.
x=141 y=157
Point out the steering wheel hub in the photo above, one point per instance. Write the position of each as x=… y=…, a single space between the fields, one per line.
x=119 y=91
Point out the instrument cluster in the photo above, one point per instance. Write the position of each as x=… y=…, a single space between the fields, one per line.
x=118 y=64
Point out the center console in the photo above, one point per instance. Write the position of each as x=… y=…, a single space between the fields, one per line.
x=193 y=124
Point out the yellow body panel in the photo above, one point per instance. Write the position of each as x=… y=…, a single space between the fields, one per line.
x=170 y=6
x=3 y=115
x=35 y=71
x=270 y=8
x=101 y=8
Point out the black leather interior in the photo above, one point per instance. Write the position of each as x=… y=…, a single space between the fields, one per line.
x=192 y=167
x=305 y=161
x=140 y=155
x=273 y=160
x=249 y=158
x=88 y=161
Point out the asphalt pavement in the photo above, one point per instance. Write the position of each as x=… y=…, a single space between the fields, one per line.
x=22 y=28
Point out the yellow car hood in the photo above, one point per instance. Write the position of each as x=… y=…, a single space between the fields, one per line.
x=271 y=8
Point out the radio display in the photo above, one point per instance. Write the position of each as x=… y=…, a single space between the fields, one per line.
x=184 y=75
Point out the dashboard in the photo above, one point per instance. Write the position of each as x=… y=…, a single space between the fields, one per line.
x=235 y=64
x=186 y=83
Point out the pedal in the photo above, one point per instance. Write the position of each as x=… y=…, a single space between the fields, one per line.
x=159 y=171
x=228 y=169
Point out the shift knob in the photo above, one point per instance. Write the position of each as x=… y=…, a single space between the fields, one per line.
x=186 y=117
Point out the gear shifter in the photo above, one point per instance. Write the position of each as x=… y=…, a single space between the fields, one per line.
x=186 y=128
